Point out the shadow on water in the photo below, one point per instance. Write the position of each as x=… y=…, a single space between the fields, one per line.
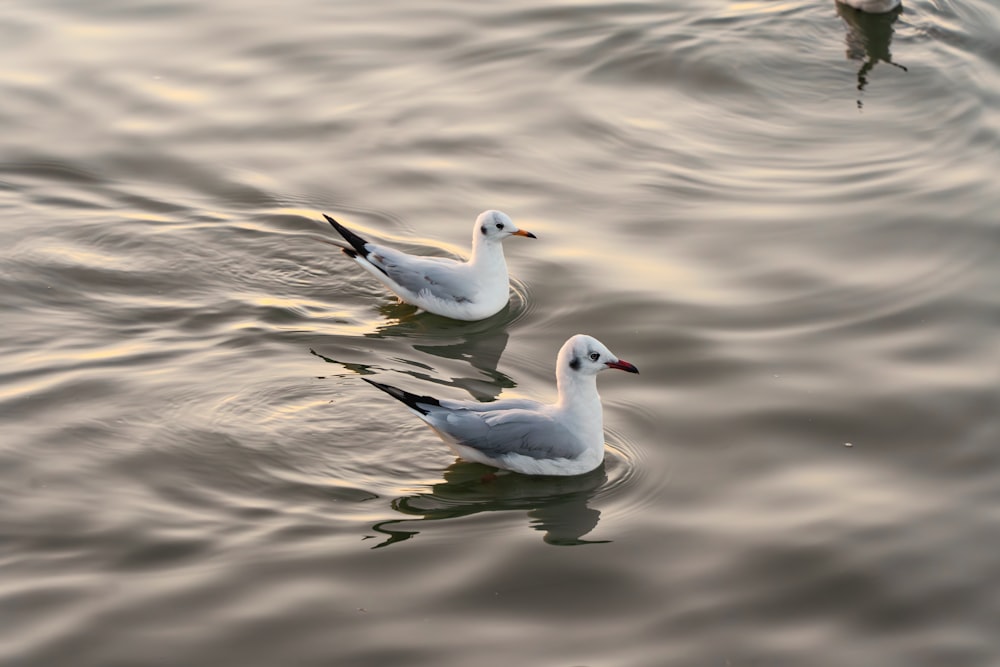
x=557 y=506
x=868 y=40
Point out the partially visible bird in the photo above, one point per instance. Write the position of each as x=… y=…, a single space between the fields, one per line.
x=872 y=6
x=562 y=438
x=470 y=290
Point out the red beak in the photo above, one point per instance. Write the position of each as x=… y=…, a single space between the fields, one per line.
x=622 y=366
x=521 y=232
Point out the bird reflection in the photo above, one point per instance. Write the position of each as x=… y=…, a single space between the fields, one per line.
x=481 y=344
x=868 y=39
x=557 y=506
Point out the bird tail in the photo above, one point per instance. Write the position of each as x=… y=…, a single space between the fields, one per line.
x=357 y=243
x=412 y=401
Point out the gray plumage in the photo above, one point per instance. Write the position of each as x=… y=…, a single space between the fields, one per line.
x=469 y=290
x=562 y=438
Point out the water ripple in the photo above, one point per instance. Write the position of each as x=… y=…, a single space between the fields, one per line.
x=793 y=239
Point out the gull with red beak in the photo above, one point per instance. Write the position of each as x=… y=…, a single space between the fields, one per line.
x=470 y=290
x=522 y=435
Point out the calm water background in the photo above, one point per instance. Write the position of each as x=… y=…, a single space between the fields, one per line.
x=794 y=240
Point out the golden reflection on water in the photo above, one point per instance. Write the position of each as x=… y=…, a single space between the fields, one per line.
x=58 y=358
x=14 y=390
x=436 y=164
x=21 y=77
x=174 y=93
x=77 y=29
x=290 y=410
x=647 y=265
x=764 y=7
x=646 y=123
x=145 y=216
x=61 y=359
x=75 y=256
x=268 y=301
x=292 y=211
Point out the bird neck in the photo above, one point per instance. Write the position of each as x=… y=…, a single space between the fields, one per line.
x=580 y=405
x=487 y=253
x=577 y=391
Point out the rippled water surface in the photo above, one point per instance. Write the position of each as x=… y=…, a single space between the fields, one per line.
x=784 y=213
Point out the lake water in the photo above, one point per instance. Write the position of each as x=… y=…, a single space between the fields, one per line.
x=786 y=214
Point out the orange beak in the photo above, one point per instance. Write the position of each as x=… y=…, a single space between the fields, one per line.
x=521 y=232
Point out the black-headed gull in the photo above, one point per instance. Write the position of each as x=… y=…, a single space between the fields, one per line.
x=872 y=6
x=471 y=290
x=562 y=438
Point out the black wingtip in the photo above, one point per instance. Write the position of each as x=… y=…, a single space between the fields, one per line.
x=356 y=241
x=410 y=400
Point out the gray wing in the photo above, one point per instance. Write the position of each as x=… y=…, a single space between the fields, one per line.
x=493 y=406
x=517 y=431
x=444 y=278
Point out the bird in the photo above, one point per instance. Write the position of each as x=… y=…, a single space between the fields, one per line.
x=470 y=290
x=872 y=6
x=526 y=436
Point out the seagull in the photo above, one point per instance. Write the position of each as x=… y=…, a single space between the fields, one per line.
x=872 y=6
x=472 y=290
x=522 y=435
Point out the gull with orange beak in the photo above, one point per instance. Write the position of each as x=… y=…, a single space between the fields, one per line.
x=469 y=290
x=522 y=435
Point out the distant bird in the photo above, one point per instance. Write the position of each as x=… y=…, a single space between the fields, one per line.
x=563 y=438
x=872 y=6
x=470 y=290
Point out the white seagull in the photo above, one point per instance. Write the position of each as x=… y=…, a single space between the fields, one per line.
x=872 y=6
x=471 y=290
x=562 y=438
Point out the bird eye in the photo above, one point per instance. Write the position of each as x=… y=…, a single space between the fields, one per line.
x=594 y=356
x=499 y=225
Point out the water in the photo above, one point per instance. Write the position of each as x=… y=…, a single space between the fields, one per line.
x=792 y=238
